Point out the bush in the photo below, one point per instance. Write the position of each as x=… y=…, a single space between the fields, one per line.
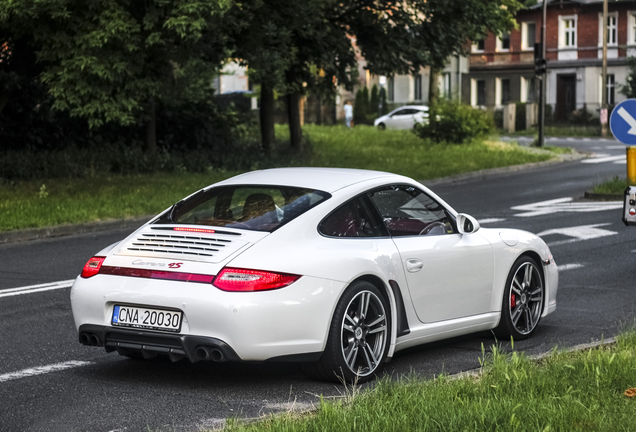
x=456 y=123
x=374 y=102
x=359 y=109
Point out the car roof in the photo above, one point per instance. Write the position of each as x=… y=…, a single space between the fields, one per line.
x=325 y=179
x=418 y=107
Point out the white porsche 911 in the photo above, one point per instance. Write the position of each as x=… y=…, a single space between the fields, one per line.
x=338 y=267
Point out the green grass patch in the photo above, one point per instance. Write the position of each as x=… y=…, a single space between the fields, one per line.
x=578 y=391
x=40 y=203
x=615 y=185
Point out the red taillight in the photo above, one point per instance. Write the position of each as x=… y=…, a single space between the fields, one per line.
x=233 y=279
x=92 y=266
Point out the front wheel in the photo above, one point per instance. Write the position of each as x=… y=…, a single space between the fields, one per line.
x=522 y=301
x=358 y=337
x=381 y=126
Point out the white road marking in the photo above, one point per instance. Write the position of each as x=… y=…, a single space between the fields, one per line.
x=615 y=147
x=603 y=158
x=565 y=267
x=489 y=221
x=36 y=288
x=43 y=370
x=560 y=205
x=579 y=233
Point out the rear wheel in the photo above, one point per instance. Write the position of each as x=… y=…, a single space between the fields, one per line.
x=522 y=301
x=358 y=337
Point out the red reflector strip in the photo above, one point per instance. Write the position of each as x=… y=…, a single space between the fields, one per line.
x=199 y=230
x=156 y=274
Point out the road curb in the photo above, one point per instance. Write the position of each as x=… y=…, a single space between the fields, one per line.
x=135 y=222
x=503 y=170
x=602 y=197
x=64 y=230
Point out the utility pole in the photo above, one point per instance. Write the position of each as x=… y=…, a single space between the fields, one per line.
x=544 y=77
x=603 y=115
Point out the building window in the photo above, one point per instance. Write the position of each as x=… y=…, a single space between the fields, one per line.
x=446 y=85
x=610 y=89
x=631 y=28
x=503 y=42
x=528 y=90
x=417 y=87
x=567 y=32
x=481 y=92
x=531 y=91
x=528 y=35
x=391 y=96
x=505 y=91
x=612 y=20
x=479 y=46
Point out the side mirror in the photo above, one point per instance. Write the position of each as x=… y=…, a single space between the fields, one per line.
x=467 y=224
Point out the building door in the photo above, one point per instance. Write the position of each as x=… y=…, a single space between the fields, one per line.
x=566 y=96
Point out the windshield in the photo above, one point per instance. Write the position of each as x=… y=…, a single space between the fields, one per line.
x=257 y=208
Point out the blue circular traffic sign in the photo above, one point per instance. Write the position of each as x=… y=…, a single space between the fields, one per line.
x=623 y=122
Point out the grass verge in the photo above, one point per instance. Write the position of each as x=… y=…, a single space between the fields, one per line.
x=40 y=203
x=613 y=186
x=576 y=391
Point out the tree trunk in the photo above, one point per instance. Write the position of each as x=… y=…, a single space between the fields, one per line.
x=266 y=114
x=151 y=130
x=293 y=115
x=433 y=95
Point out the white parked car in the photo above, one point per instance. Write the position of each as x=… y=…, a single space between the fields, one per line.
x=403 y=118
x=338 y=267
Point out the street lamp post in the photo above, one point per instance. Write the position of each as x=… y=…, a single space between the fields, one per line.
x=543 y=78
x=603 y=116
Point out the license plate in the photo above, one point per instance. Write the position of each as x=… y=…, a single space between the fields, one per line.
x=145 y=318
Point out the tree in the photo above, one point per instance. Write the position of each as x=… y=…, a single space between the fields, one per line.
x=629 y=89
x=115 y=61
x=374 y=103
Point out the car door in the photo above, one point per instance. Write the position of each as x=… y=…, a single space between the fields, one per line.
x=449 y=275
x=399 y=119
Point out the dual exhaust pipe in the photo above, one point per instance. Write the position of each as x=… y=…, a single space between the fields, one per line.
x=207 y=353
x=89 y=339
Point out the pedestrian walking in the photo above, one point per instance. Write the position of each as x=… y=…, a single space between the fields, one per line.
x=348 y=109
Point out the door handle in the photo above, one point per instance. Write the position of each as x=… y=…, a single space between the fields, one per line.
x=414 y=265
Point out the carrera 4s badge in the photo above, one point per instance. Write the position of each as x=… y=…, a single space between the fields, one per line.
x=157 y=264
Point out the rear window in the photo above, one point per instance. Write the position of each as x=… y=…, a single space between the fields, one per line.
x=256 y=208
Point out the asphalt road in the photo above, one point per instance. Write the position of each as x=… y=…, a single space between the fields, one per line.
x=48 y=382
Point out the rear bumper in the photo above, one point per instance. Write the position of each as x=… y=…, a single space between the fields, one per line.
x=151 y=344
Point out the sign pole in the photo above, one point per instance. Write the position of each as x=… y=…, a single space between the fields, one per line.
x=544 y=79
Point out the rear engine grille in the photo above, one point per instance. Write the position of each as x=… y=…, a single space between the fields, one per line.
x=178 y=244
x=213 y=248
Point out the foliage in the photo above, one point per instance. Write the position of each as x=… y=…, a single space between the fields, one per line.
x=106 y=61
x=360 y=108
x=384 y=105
x=614 y=186
x=456 y=123
x=629 y=88
x=374 y=102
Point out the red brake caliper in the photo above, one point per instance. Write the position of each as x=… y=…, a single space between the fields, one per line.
x=513 y=301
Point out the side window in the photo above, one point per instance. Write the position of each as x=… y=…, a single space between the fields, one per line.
x=349 y=220
x=399 y=113
x=407 y=211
